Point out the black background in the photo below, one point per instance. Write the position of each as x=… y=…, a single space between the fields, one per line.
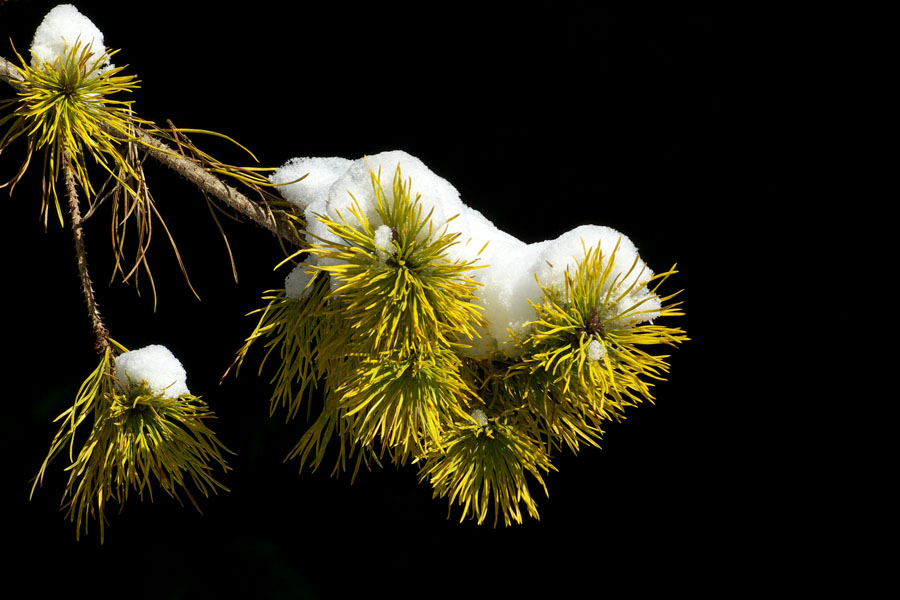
x=544 y=119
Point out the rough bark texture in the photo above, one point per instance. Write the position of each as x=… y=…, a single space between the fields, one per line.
x=101 y=333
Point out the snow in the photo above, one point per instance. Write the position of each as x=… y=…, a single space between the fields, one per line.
x=509 y=281
x=318 y=173
x=157 y=367
x=296 y=284
x=561 y=256
x=60 y=30
x=595 y=350
x=383 y=242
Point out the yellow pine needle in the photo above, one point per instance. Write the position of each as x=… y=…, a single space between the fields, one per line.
x=67 y=107
x=483 y=466
x=136 y=437
x=314 y=442
x=408 y=298
x=294 y=327
x=406 y=402
x=380 y=325
x=72 y=106
x=588 y=311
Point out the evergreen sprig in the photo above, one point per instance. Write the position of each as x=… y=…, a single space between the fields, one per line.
x=483 y=464
x=68 y=108
x=136 y=439
x=71 y=109
x=295 y=327
x=381 y=325
x=400 y=306
x=586 y=342
x=400 y=292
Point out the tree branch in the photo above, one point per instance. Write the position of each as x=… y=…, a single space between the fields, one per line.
x=11 y=75
x=214 y=186
x=101 y=333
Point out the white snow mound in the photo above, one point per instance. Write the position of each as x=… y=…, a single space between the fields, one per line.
x=334 y=186
x=155 y=365
x=60 y=30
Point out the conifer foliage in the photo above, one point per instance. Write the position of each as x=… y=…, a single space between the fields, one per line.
x=381 y=327
x=390 y=330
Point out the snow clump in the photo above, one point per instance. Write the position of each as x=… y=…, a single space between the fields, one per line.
x=296 y=284
x=60 y=30
x=335 y=185
x=157 y=367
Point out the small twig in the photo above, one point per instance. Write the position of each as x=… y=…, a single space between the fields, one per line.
x=87 y=288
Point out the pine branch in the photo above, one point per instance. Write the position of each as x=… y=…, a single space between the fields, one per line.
x=10 y=74
x=214 y=186
x=190 y=170
x=100 y=331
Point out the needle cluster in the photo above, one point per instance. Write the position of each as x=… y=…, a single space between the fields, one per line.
x=380 y=325
x=137 y=438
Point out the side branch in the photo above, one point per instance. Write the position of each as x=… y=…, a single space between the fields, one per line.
x=101 y=333
x=216 y=187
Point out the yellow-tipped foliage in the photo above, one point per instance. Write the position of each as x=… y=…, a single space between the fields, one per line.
x=405 y=401
x=380 y=323
x=586 y=344
x=136 y=439
x=384 y=337
x=483 y=464
x=406 y=297
x=72 y=110
x=68 y=108
x=294 y=327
